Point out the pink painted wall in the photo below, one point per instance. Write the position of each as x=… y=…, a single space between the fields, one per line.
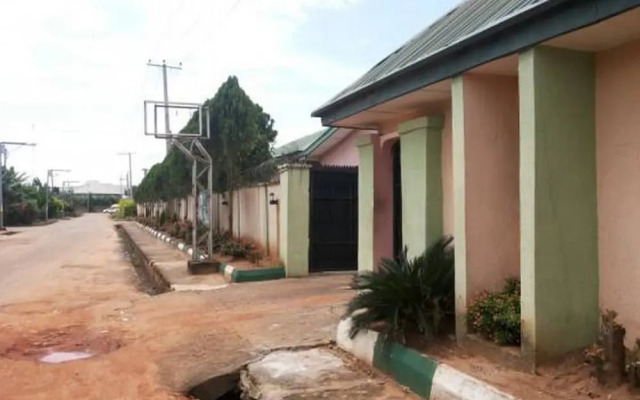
x=383 y=199
x=343 y=153
x=618 y=172
x=447 y=174
x=492 y=180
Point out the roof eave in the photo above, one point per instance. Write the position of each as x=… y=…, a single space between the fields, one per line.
x=526 y=29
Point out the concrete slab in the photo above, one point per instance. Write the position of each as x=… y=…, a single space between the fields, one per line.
x=317 y=373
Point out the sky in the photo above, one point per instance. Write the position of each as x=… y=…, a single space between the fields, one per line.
x=74 y=73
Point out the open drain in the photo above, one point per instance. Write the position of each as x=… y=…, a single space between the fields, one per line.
x=149 y=279
x=224 y=387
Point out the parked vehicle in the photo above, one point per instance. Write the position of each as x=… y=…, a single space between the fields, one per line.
x=111 y=210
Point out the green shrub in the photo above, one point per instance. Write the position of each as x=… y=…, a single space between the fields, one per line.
x=126 y=208
x=21 y=214
x=496 y=316
x=235 y=249
x=406 y=295
x=162 y=219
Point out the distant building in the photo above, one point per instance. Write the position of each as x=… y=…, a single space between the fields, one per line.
x=96 y=187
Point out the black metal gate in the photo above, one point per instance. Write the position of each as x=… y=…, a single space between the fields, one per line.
x=333 y=222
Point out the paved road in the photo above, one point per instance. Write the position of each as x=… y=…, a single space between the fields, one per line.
x=31 y=260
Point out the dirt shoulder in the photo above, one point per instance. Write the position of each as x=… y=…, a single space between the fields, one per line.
x=68 y=287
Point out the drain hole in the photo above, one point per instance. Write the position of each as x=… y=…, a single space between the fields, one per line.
x=224 y=387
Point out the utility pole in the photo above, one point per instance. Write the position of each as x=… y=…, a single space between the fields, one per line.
x=50 y=173
x=3 y=164
x=130 y=180
x=164 y=67
x=122 y=178
x=69 y=191
x=144 y=171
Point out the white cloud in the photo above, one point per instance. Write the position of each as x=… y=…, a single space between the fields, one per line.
x=74 y=73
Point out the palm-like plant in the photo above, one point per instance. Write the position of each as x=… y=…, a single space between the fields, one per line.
x=405 y=294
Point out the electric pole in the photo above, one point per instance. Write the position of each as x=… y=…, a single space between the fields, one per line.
x=130 y=178
x=50 y=173
x=164 y=67
x=3 y=165
x=122 y=178
x=69 y=191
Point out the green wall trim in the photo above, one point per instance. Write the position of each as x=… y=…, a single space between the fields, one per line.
x=366 y=191
x=558 y=203
x=421 y=163
x=259 y=274
x=408 y=367
x=294 y=219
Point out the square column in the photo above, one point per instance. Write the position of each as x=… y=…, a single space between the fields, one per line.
x=294 y=219
x=421 y=163
x=558 y=236
x=367 y=148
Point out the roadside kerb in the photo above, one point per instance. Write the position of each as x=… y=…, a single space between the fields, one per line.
x=422 y=374
x=233 y=274
x=180 y=245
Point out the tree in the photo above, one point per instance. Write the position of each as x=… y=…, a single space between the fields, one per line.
x=242 y=136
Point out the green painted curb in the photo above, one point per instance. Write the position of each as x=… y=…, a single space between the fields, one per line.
x=221 y=268
x=406 y=366
x=255 y=275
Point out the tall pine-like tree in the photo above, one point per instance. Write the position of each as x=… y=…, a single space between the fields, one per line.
x=242 y=136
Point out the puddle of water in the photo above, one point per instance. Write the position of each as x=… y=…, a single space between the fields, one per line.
x=58 y=357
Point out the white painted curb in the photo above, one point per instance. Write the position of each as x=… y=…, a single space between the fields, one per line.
x=228 y=272
x=168 y=239
x=448 y=383
x=361 y=346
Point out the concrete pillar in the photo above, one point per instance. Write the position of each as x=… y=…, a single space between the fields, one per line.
x=421 y=163
x=294 y=219
x=367 y=148
x=486 y=196
x=559 y=245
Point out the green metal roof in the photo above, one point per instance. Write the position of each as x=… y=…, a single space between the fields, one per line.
x=473 y=33
x=465 y=20
x=302 y=145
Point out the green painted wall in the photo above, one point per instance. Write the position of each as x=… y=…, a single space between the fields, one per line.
x=294 y=220
x=459 y=201
x=421 y=163
x=559 y=247
x=366 y=188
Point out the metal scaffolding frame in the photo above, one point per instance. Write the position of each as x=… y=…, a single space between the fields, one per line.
x=202 y=164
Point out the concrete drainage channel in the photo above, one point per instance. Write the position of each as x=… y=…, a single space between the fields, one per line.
x=149 y=277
